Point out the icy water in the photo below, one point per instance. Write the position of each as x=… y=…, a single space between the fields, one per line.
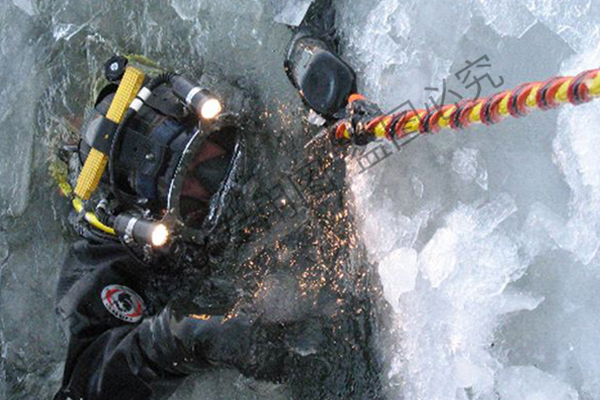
x=463 y=267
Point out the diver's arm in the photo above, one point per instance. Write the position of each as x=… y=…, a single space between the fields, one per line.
x=115 y=366
x=106 y=359
x=151 y=359
x=111 y=358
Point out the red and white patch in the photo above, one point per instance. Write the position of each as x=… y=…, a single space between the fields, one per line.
x=123 y=303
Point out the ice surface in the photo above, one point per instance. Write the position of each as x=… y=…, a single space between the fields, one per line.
x=291 y=12
x=188 y=10
x=398 y=273
x=565 y=18
x=17 y=70
x=448 y=320
x=507 y=17
x=529 y=383
x=25 y=5
x=503 y=222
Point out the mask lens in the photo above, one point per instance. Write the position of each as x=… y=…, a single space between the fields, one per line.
x=205 y=176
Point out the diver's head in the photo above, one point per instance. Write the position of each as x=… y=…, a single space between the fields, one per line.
x=168 y=161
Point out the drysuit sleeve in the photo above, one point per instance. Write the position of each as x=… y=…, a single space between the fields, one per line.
x=116 y=351
x=108 y=331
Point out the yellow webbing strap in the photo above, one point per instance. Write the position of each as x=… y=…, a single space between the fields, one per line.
x=95 y=164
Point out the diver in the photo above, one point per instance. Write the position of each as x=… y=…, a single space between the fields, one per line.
x=148 y=176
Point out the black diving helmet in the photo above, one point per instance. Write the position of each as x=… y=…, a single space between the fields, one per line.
x=170 y=169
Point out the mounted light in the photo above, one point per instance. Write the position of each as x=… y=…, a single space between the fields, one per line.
x=201 y=101
x=160 y=235
x=210 y=109
x=142 y=231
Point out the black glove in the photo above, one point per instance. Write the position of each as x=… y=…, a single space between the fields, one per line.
x=183 y=343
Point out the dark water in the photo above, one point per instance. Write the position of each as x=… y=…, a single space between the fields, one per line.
x=288 y=249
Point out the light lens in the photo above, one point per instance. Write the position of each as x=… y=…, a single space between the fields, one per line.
x=160 y=235
x=211 y=108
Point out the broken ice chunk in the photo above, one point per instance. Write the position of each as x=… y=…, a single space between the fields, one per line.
x=398 y=273
x=577 y=235
x=292 y=12
x=513 y=302
x=26 y=5
x=529 y=383
x=438 y=259
x=493 y=214
x=464 y=163
x=507 y=17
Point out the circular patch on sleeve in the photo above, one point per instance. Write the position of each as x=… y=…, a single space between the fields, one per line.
x=123 y=303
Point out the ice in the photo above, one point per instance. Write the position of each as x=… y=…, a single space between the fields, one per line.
x=26 y=5
x=438 y=259
x=17 y=70
x=504 y=220
x=507 y=17
x=188 y=10
x=566 y=19
x=398 y=273
x=573 y=149
x=529 y=383
x=464 y=163
x=291 y=12
x=4 y=249
x=417 y=186
x=392 y=56
x=64 y=31
x=449 y=308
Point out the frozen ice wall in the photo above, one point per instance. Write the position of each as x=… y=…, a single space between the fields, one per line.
x=486 y=240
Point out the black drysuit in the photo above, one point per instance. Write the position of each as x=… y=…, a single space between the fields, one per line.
x=116 y=351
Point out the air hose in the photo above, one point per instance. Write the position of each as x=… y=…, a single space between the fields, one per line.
x=363 y=121
x=135 y=105
x=92 y=218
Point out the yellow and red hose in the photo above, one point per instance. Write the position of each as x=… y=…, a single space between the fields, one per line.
x=489 y=110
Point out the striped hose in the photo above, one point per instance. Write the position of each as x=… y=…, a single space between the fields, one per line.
x=490 y=110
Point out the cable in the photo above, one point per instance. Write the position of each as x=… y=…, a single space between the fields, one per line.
x=142 y=96
x=516 y=103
